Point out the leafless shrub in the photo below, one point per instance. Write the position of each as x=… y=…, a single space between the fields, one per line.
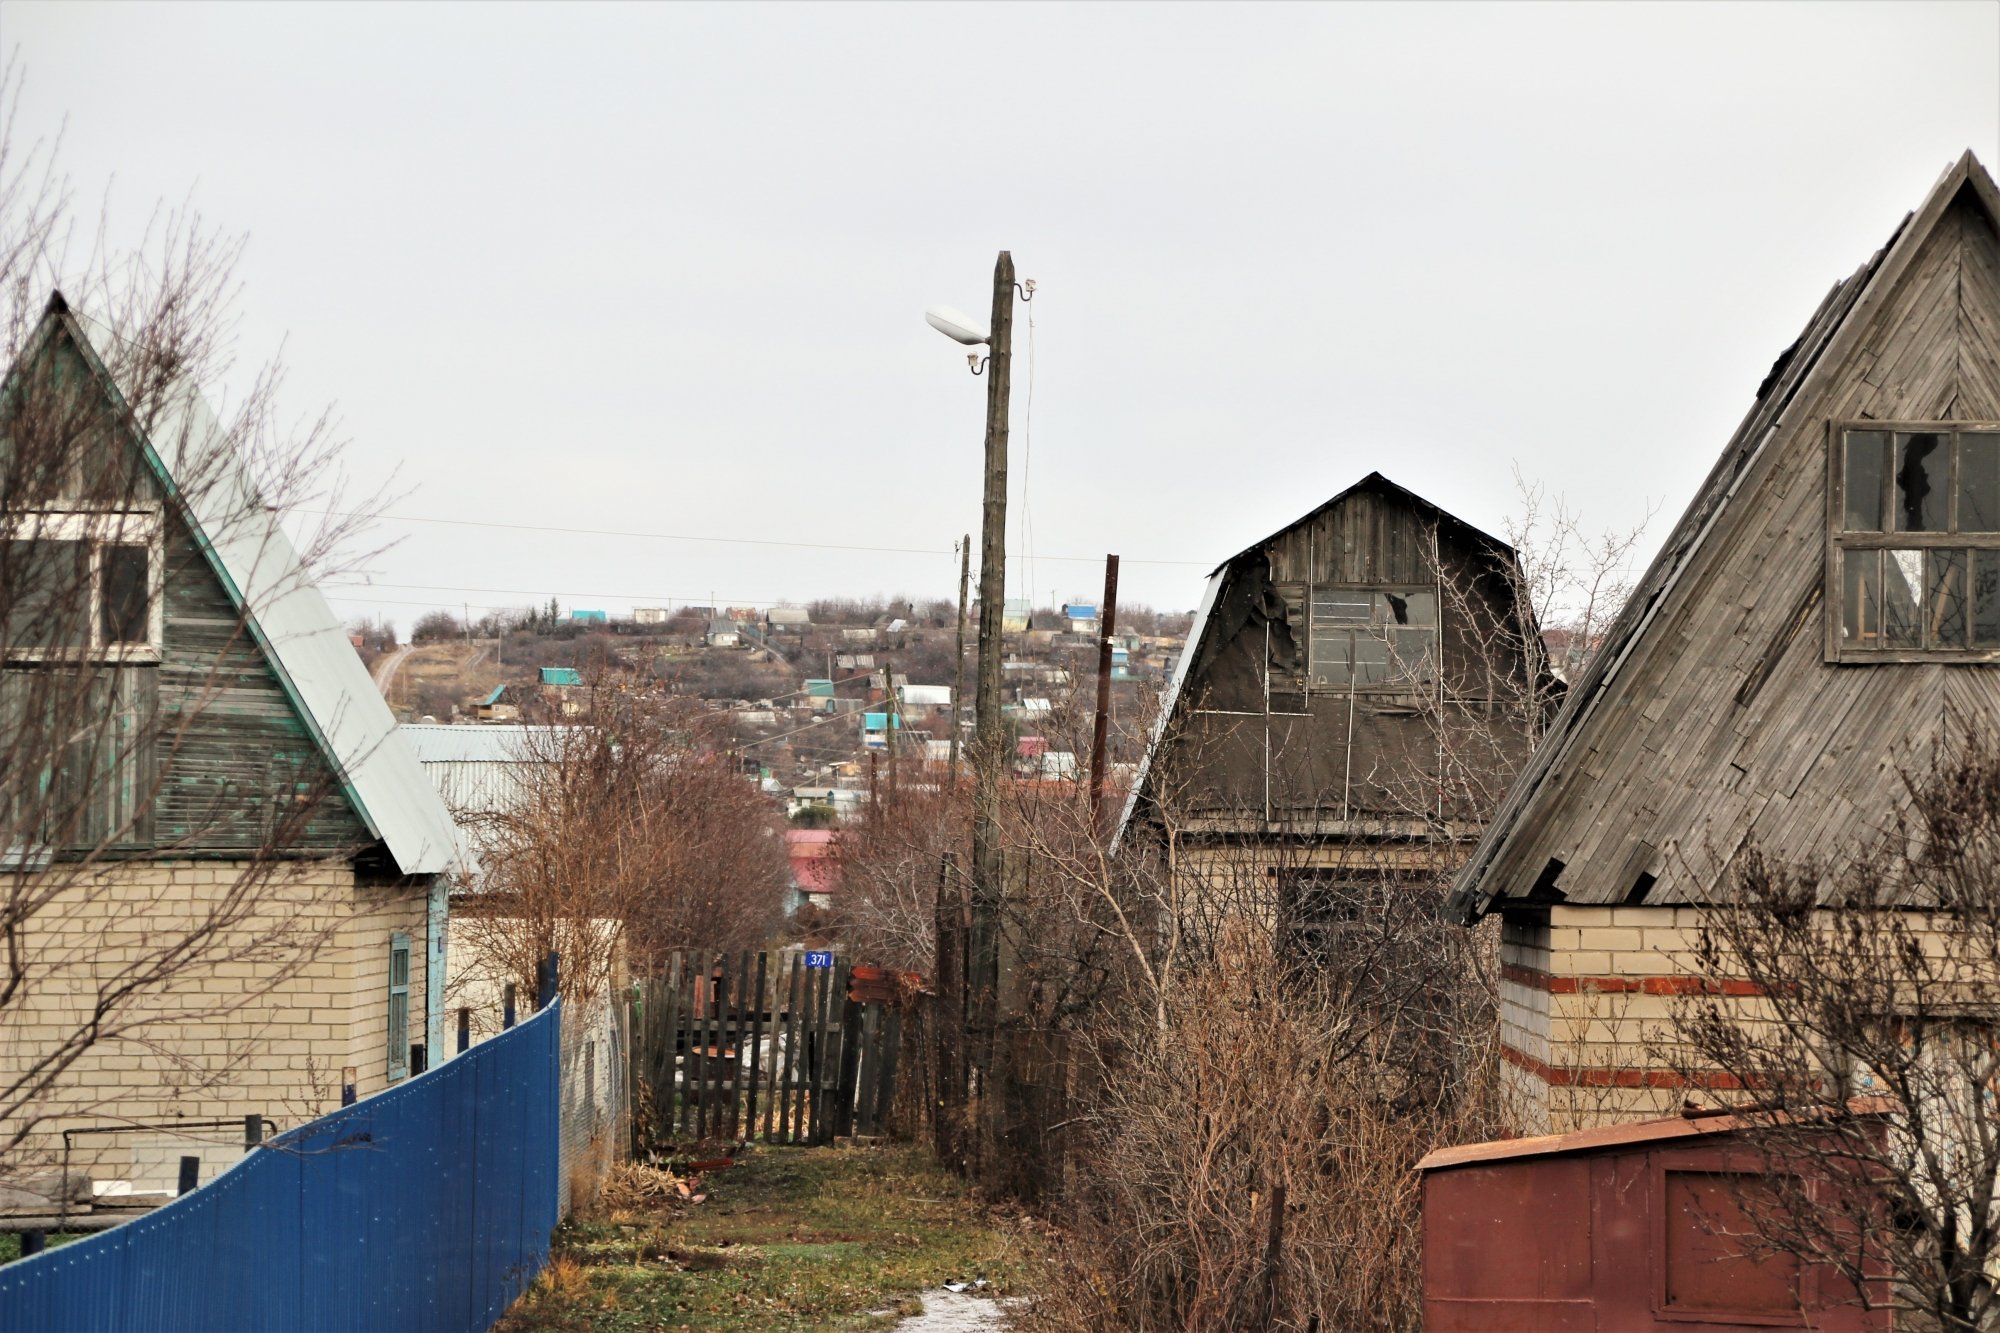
x=1242 y=1173
x=1829 y=989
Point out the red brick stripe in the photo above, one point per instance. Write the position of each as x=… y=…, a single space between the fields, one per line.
x=1605 y=1076
x=1536 y=979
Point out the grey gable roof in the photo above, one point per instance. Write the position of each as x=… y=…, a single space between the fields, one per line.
x=1825 y=343
x=301 y=638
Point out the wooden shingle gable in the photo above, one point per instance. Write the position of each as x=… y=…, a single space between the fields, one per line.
x=1713 y=713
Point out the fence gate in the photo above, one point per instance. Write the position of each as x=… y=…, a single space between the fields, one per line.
x=791 y=1047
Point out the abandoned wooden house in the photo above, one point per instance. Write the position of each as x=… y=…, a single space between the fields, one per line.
x=1827 y=609
x=1355 y=689
x=220 y=866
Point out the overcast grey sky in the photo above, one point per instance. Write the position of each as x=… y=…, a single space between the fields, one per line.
x=662 y=269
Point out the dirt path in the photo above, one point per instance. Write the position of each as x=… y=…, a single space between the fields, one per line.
x=385 y=670
x=833 y=1240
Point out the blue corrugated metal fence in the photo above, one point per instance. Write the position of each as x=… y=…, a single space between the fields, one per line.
x=425 y=1208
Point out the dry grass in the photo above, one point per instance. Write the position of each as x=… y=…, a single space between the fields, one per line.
x=835 y=1239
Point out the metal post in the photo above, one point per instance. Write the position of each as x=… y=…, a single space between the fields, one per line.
x=464 y=1028
x=1106 y=625
x=190 y=1174
x=253 y=1130
x=347 y=1086
x=507 y=1006
x=546 y=982
x=32 y=1242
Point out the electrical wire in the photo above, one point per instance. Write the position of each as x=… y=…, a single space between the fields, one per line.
x=736 y=541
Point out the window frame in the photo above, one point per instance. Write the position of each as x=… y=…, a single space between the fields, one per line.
x=1309 y=684
x=399 y=1051
x=98 y=530
x=1839 y=541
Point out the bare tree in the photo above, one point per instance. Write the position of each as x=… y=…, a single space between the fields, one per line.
x=109 y=459
x=628 y=835
x=1854 y=1003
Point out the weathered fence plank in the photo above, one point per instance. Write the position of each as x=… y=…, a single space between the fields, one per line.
x=734 y=1047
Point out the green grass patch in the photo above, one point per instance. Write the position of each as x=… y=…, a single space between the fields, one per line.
x=790 y=1238
x=10 y=1243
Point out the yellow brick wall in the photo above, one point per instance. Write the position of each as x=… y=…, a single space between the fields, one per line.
x=1606 y=1020
x=378 y=913
x=265 y=1024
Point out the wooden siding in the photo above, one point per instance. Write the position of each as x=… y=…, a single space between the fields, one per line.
x=1255 y=742
x=1726 y=722
x=232 y=745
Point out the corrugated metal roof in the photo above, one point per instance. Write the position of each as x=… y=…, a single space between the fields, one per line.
x=285 y=611
x=439 y=743
x=561 y=676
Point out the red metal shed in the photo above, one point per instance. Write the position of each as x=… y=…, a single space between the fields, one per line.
x=1607 y=1230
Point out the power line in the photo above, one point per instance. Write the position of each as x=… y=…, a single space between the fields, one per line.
x=685 y=537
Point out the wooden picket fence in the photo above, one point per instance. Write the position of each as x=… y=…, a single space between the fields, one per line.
x=794 y=1047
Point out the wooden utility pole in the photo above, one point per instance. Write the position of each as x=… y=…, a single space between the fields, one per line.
x=891 y=723
x=1107 y=623
x=983 y=961
x=958 y=661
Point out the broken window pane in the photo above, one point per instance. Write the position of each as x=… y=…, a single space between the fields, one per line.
x=1979 y=482
x=1923 y=467
x=1944 y=599
x=124 y=595
x=1342 y=606
x=1867 y=467
x=1861 y=613
x=1902 y=598
x=1986 y=599
x=1407 y=608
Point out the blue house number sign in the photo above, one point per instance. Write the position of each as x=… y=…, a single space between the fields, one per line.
x=819 y=958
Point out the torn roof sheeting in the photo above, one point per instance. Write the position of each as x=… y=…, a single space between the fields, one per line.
x=302 y=639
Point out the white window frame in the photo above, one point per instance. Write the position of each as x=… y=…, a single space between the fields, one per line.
x=100 y=529
x=399 y=1052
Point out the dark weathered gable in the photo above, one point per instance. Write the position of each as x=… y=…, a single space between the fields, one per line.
x=1717 y=717
x=1262 y=736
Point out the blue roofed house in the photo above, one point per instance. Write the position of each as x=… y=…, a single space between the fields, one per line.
x=245 y=906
